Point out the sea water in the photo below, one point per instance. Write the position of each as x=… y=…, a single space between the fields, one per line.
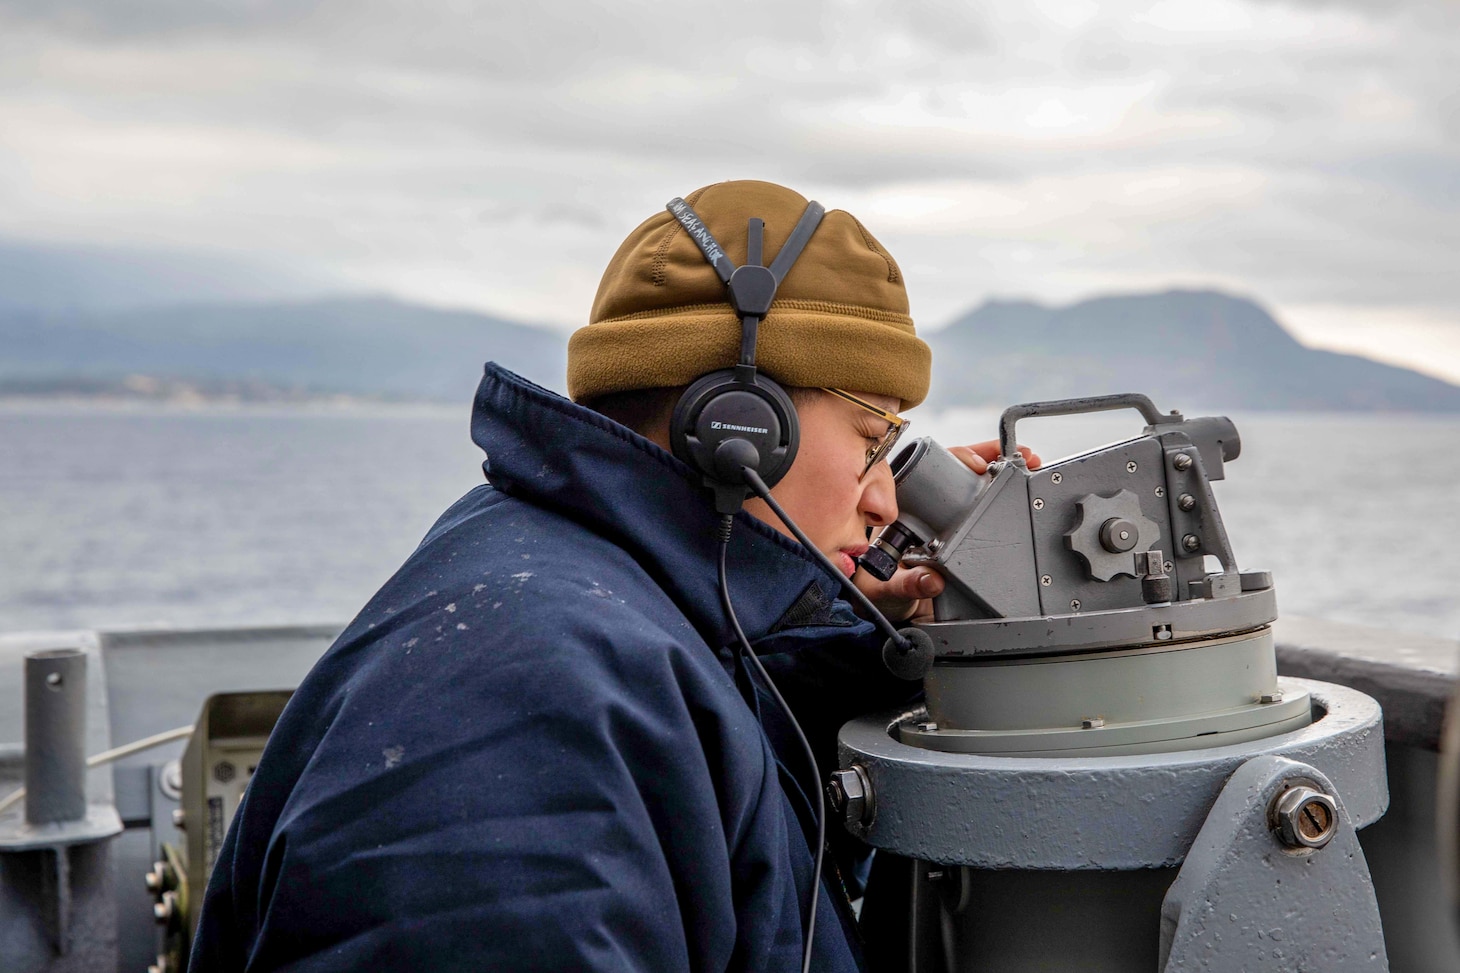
x=204 y=517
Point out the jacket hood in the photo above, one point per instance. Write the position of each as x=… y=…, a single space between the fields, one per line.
x=547 y=449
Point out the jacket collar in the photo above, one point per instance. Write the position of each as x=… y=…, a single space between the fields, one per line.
x=557 y=454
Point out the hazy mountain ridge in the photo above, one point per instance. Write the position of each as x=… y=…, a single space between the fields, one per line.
x=1185 y=348
x=363 y=346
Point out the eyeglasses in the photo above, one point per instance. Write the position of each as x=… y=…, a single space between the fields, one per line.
x=895 y=426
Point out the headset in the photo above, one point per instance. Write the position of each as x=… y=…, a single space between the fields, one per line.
x=738 y=429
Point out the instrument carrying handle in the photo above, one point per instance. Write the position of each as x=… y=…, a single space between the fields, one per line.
x=1008 y=444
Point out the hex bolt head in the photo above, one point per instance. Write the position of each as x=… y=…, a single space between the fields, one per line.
x=1305 y=817
x=1186 y=502
x=1092 y=723
x=1181 y=461
x=1131 y=467
x=850 y=794
x=1191 y=543
x=1276 y=696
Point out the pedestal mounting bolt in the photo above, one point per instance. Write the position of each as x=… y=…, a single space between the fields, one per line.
x=850 y=794
x=1305 y=817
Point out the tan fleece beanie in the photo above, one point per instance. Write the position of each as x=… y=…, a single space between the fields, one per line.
x=662 y=317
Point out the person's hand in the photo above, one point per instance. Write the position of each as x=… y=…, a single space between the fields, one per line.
x=978 y=456
x=908 y=595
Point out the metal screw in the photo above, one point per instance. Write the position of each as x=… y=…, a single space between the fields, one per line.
x=1092 y=723
x=1046 y=580
x=1160 y=491
x=165 y=910
x=179 y=819
x=1276 y=696
x=1168 y=566
x=1074 y=604
x=1038 y=504
x=161 y=878
x=1186 y=502
x=170 y=780
x=1191 y=543
x=54 y=680
x=850 y=794
x=1181 y=461
x=1162 y=633
x=1305 y=817
x=933 y=546
x=1056 y=478
x=1131 y=467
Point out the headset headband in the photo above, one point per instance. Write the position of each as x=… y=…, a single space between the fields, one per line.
x=752 y=286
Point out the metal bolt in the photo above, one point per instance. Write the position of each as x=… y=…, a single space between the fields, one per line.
x=170 y=780
x=933 y=546
x=1160 y=491
x=1186 y=502
x=161 y=878
x=1038 y=504
x=1276 y=696
x=165 y=911
x=1181 y=461
x=850 y=794
x=1162 y=633
x=1074 y=604
x=1131 y=467
x=1046 y=580
x=179 y=819
x=1092 y=723
x=1056 y=478
x=1191 y=543
x=1305 y=817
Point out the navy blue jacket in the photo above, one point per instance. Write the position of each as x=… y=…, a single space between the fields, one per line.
x=533 y=748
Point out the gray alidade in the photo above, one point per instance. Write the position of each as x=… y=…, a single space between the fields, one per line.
x=1105 y=744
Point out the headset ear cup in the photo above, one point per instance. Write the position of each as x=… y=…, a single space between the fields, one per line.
x=719 y=408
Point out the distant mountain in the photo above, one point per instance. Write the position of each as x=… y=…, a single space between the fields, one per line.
x=361 y=346
x=1186 y=349
x=75 y=276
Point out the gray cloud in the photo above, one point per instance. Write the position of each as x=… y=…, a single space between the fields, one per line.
x=494 y=152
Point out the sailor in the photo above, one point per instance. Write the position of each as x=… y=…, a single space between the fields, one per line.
x=540 y=746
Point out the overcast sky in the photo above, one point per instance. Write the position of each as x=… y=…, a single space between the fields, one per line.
x=493 y=155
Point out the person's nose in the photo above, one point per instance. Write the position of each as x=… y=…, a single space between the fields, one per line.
x=878 y=504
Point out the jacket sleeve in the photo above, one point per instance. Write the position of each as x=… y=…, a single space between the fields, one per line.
x=561 y=803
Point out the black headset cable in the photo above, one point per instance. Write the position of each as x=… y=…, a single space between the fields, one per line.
x=723 y=535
